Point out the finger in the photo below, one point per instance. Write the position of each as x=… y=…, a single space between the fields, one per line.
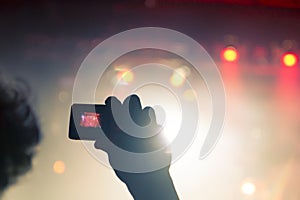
x=150 y=114
x=113 y=105
x=112 y=102
x=133 y=106
x=99 y=145
x=133 y=102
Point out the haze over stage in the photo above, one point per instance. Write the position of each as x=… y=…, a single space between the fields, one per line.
x=258 y=154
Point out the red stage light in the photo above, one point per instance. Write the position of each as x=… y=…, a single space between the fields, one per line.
x=289 y=59
x=230 y=54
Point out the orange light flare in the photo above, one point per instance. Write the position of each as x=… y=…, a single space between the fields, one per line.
x=230 y=54
x=125 y=75
x=59 y=167
x=289 y=60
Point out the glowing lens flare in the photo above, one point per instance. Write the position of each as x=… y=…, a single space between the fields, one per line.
x=289 y=59
x=230 y=54
x=190 y=95
x=248 y=188
x=59 y=167
x=178 y=77
x=127 y=76
x=124 y=74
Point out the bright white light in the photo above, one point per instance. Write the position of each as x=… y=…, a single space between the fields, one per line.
x=167 y=108
x=171 y=126
x=248 y=188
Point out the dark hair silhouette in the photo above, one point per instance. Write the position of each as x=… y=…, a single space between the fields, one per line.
x=19 y=131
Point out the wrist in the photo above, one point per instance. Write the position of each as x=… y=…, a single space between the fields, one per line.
x=151 y=185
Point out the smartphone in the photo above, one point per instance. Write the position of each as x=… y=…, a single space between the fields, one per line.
x=85 y=121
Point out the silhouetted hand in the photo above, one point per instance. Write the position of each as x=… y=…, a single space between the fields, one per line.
x=135 y=130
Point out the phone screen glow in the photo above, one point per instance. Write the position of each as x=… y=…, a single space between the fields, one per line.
x=90 y=119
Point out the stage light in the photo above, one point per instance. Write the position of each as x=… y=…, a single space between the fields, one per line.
x=230 y=54
x=289 y=59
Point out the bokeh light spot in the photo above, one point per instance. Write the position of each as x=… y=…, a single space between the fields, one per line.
x=289 y=59
x=178 y=76
x=63 y=96
x=125 y=75
x=189 y=95
x=248 y=188
x=230 y=54
x=59 y=167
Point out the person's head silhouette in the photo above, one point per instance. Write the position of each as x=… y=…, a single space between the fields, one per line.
x=19 y=131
